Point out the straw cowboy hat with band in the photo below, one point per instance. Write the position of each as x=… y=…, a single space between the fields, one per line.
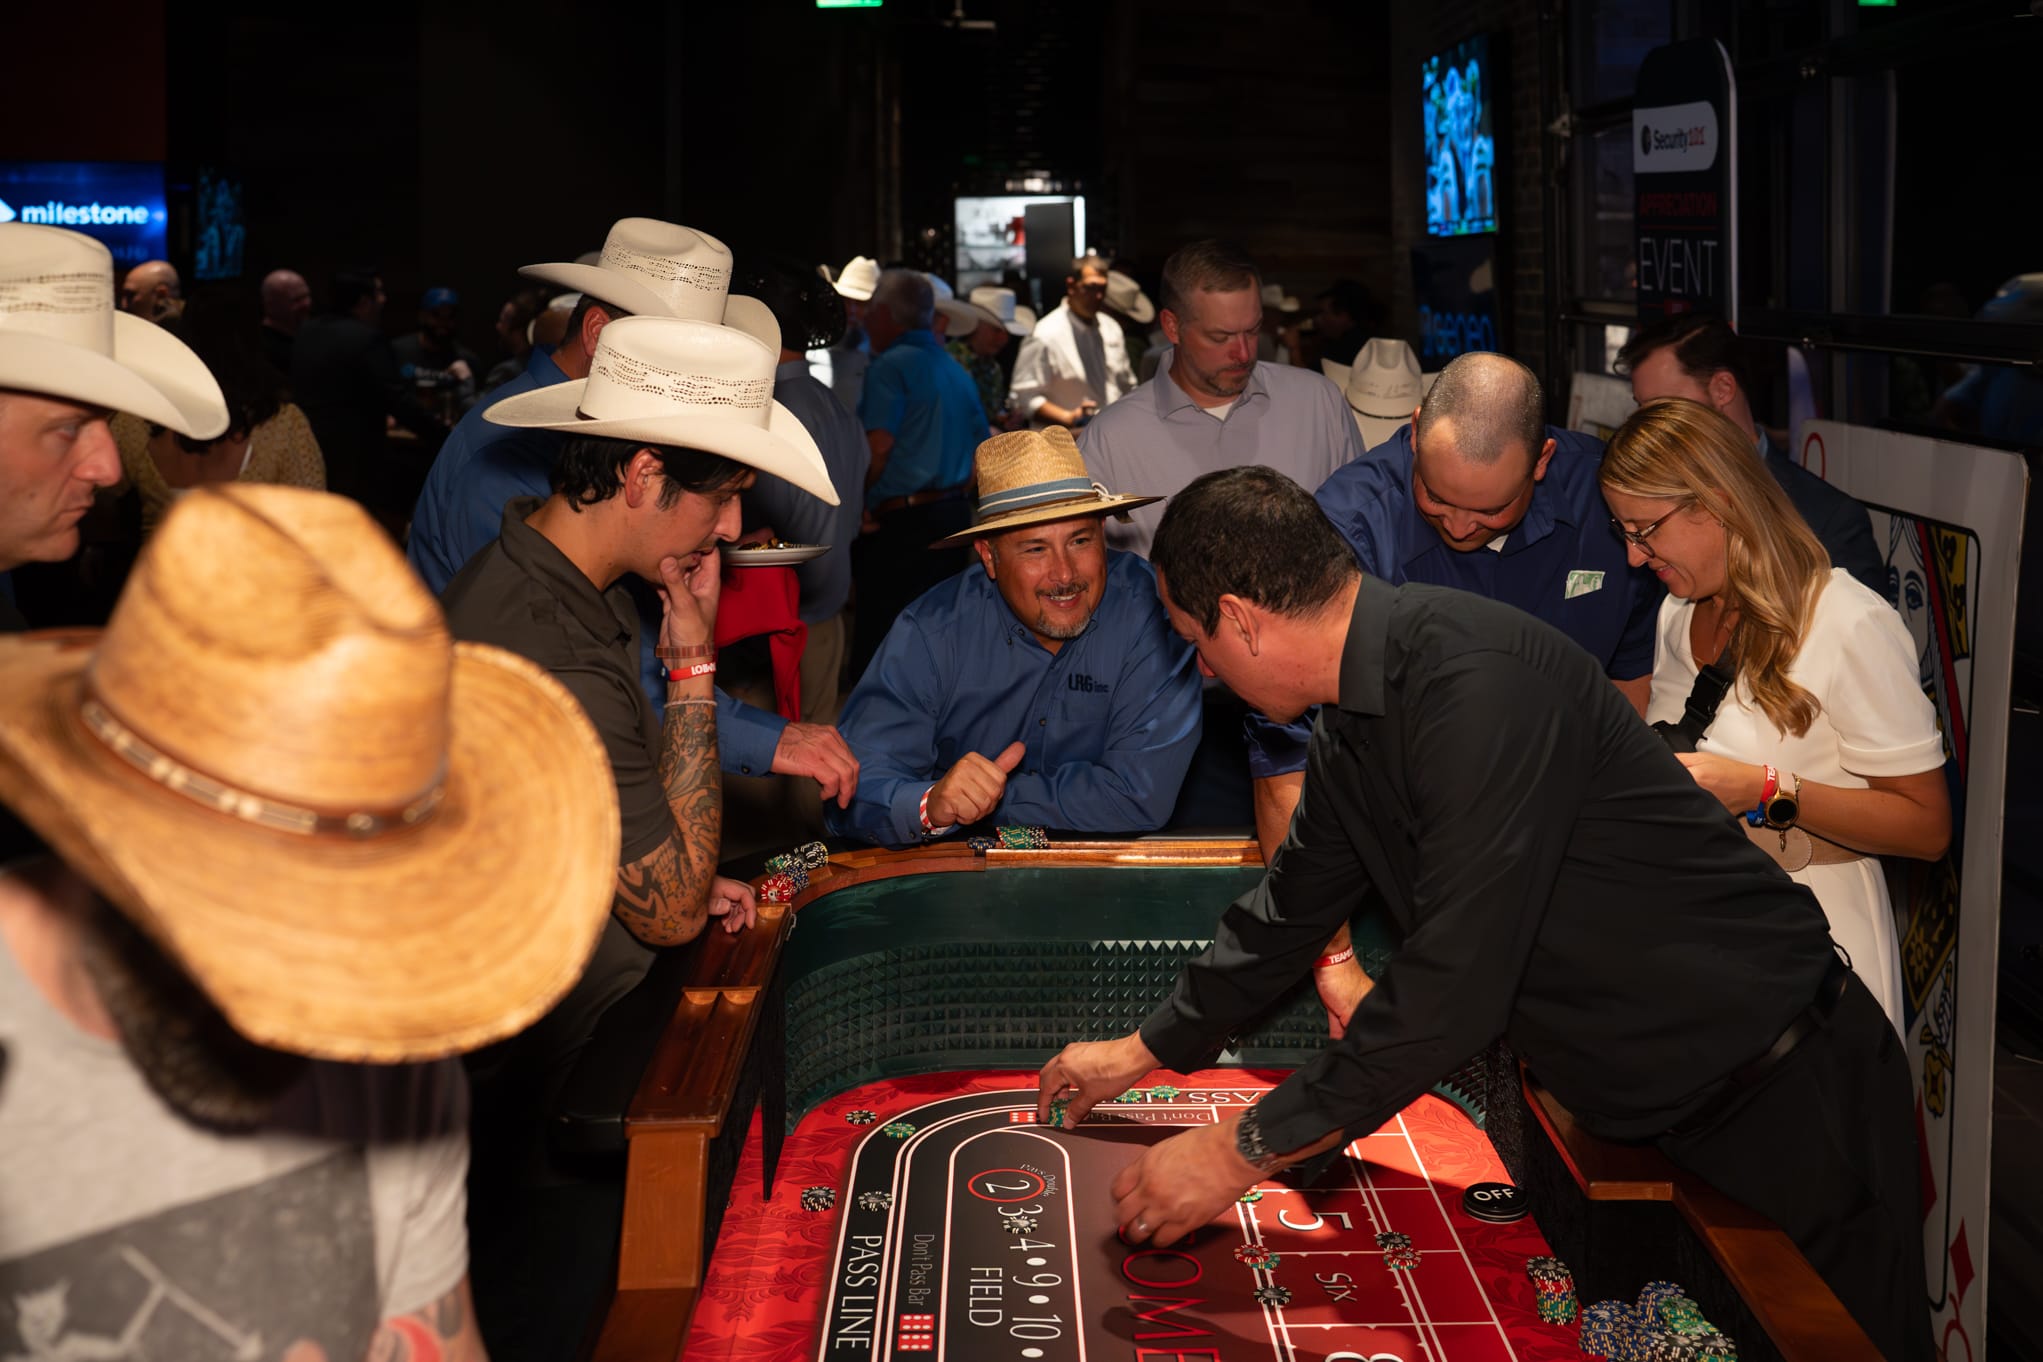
x=276 y=762
x=684 y=385
x=1028 y=477
x=660 y=269
x=857 y=280
x=61 y=337
x=1383 y=387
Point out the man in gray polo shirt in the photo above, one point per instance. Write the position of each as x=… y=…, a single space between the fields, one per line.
x=1213 y=406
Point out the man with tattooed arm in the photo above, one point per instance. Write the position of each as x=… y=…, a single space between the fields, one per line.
x=664 y=435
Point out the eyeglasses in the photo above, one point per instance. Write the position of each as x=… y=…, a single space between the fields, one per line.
x=1639 y=537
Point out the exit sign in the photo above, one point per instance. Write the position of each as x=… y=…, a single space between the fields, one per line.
x=848 y=4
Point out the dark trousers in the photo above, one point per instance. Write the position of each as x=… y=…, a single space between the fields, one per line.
x=1824 y=1146
x=894 y=564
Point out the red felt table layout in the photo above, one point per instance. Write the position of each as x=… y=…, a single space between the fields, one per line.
x=980 y=1235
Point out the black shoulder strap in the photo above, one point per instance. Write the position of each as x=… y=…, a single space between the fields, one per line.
x=1711 y=686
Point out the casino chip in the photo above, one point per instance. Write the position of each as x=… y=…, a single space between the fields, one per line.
x=861 y=1118
x=1023 y=838
x=900 y=1130
x=1255 y=1255
x=1554 y=1287
x=806 y=857
x=1251 y=1196
x=1018 y=1224
x=981 y=843
x=876 y=1201
x=818 y=1198
x=1162 y=1093
x=1133 y=1095
x=1057 y=1110
x=1273 y=1294
x=1401 y=1259
x=780 y=887
x=1393 y=1239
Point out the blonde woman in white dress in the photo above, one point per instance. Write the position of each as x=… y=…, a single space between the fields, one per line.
x=1825 y=747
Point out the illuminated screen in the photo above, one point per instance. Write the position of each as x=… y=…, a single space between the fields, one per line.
x=118 y=202
x=221 y=231
x=991 y=240
x=1457 y=90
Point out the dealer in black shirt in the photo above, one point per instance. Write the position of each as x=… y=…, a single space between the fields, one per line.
x=1557 y=877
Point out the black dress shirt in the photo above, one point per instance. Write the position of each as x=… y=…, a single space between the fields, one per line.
x=1556 y=875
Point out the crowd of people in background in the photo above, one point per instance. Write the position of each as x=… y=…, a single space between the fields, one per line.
x=984 y=485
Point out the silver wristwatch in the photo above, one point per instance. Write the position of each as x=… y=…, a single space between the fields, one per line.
x=1248 y=1141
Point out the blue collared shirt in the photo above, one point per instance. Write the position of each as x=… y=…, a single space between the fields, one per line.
x=1562 y=564
x=1156 y=440
x=1110 y=720
x=802 y=518
x=460 y=512
x=922 y=397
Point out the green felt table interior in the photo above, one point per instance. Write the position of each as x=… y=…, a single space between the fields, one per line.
x=1000 y=968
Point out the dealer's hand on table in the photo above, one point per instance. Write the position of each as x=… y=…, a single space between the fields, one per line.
x=1736 y=784
x=1091 y=1071
x=971 y=790
x=734 y=902
x=1179 y=1185
x=819 y=752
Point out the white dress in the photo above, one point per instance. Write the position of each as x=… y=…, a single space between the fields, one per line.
x=1859 y=662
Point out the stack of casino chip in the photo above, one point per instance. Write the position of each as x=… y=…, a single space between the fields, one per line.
x=1019 y=838
x=782 y=885
x=1610 y=1329
x=1398 y=1253
x=1260 y=1257
x=1554 y=1286
x=806 y=857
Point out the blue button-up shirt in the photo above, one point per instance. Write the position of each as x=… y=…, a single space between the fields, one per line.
x=802 y=517
x=1562 y=563
x=460 y=511
x=922 y=397
x=1156 y=440
x=1109 y=720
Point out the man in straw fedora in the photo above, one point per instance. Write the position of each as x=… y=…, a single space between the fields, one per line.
x=661 y=438
x=647 y=268
x=1042 y=686
x=68 y=362
x=293 y=863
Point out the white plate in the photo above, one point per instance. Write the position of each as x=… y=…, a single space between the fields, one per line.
x=781 y=557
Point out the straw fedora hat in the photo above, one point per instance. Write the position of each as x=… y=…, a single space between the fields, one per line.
x=61 y=336
x=661 y=269
x=1126 y=297
x=1026 y=477
x=1018 y=321
x=1383 y=386
x=362 y=840
x=686 y=384
x=857 y=280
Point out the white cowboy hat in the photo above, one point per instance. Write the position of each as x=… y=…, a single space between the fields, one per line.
x=1126 y=297
x=857 y=279
x=661 y=269
x=1277 y=300
x=276 y=762
x=680 y=383
x=965 y=318
x=1000 y=302
x=61 y=336
x=1026 y=477
x=1383 y=387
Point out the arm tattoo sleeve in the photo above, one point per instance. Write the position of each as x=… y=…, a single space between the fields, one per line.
x=663 y=899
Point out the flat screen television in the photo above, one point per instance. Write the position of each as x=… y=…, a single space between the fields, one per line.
x=118 y=202
x=1458 y=92
x=992 y=239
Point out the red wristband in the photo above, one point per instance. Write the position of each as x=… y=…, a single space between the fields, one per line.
x=1772 y=786
x=691 y=671
x=1339 y=957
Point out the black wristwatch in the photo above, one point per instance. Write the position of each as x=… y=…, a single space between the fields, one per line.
x=1248 y=1141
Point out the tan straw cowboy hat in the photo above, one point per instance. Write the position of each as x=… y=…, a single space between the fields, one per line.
x=1000 y=302
x=1126 y=297
x=362 y=840
x=857 y=280
x=60 y=336
x=661 y=269
x=1026 y=477
x=684 y=385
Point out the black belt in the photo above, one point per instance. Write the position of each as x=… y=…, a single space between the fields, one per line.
x=1748 y=1075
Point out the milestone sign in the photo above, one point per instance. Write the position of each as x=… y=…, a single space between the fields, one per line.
x=1684 y=166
